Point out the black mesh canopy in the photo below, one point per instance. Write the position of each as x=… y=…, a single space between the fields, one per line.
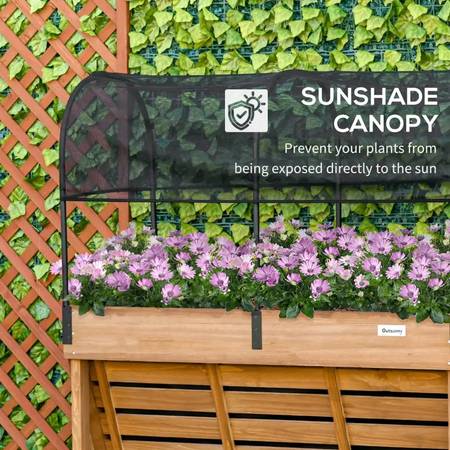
x=173 y=138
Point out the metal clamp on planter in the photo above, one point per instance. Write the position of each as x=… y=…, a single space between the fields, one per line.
x=67 y=322
x=257 y=330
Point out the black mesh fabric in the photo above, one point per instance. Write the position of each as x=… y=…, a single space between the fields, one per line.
x=141 y=137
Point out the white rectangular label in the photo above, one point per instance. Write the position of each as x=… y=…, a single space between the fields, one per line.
x=392 y=330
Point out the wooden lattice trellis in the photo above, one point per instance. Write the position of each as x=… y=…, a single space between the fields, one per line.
x=37 y=109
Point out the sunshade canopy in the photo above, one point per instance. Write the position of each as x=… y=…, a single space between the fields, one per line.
x=165 y=138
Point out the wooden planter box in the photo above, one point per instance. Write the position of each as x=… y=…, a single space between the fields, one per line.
x=185 y=379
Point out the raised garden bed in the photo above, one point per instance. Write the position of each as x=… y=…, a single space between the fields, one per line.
x=188 y=379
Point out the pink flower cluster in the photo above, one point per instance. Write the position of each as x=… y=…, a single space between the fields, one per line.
x=315 y=265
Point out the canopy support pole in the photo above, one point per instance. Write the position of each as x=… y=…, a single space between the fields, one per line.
x=256 y=230
x=66 y=308
x=338 y=210
x=256 y=321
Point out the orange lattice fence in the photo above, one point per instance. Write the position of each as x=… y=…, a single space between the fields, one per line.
x=43 y=55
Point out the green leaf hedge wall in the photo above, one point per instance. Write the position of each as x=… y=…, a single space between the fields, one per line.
x=244 y=36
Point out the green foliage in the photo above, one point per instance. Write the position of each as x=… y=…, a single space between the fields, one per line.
x=182 y=37
x=37 y=440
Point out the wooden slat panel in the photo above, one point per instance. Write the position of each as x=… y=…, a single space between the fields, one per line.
x=251 y=447
x=284 y=431
x=137 y=445
x=332 y=339
x=168 y=426
x=164 y=373
x=277 y=403
x=276 y=377
x=392 y=408
x=201 y=401
x=399 y=436
x=393 y=380
x=161 y=399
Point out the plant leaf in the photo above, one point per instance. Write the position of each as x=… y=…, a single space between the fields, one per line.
x=16 y=209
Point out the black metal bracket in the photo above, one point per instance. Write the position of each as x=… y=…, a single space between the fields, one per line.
x=66 y=323
x=257 y=330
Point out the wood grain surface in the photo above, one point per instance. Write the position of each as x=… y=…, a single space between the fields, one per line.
x=331 y=339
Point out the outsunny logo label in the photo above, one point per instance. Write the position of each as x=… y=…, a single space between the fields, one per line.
x=246 y=110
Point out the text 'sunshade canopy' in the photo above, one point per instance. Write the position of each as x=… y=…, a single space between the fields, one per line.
x=137 y=137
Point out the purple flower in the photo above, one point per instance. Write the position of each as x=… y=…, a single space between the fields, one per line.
x=145 y=284
x=199 y=244
x=75 y=287
x=268 y=275
x=425 y=249
x=288 y=262
x=276 y=227
x=398 y=257
x=346 y=238
x=447 y=229
x=379 y=243
x=227 y=244
x=183 y=257
x=310 y=267
x=81 y=262
x=96 y=270
x=294 y=278
x=162 y=273
x=148 y=230
x=333 y=266
x=435 y=284
x=221 y=281
x=319 y=287
x=169 y=292
x=331 y=252
x=345 y=274
x=56 y=267
x=186 y=271
x=350 y=260
x=410 y=292
x=324 y=235
x=304 y=247
x=361 y=282
x=204 y=263
x=155 y=253
x=373 y=266
x=441 y=267
x=422 y=261
x=393 y=272
x=244 y=264
x=140 y=267
x=419 y=273
x=404 y=241
x=176 y=240
x=118 y=280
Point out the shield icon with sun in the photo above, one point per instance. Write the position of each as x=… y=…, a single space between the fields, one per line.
x=241 y=114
